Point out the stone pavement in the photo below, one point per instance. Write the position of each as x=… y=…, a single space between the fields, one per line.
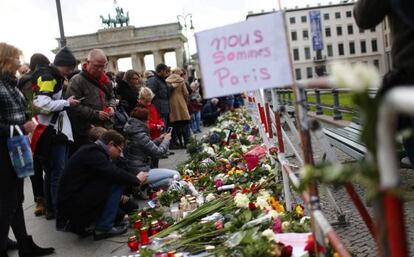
x=70 y=245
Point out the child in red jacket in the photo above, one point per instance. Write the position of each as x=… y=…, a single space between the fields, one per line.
x=155 y=123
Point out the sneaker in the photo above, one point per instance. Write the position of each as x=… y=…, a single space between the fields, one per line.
x=114 y=231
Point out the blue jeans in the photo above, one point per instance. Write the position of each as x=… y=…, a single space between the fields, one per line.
x=161 y=178
x=53 y=170
x=195 y=121
x=105 y=222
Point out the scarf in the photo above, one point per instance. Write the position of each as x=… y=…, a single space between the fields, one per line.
x=102 y=80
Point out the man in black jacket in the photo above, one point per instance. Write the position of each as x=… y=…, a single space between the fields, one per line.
x=161 y=90
x=90 y=188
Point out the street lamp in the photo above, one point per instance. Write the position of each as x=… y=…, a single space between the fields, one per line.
x=62 y=39
x=182 y=18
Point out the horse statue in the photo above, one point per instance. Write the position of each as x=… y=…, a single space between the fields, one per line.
x=106 y=22
x=121 y=18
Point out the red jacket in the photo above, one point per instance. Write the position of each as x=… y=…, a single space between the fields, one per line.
x=154 y=119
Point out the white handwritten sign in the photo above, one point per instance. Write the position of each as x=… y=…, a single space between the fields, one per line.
x=245 y=56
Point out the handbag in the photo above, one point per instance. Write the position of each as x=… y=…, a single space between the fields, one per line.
x=20 y=153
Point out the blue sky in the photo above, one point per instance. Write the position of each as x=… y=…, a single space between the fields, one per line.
x=32 y=26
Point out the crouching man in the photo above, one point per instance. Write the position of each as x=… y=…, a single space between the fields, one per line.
x=91 y=187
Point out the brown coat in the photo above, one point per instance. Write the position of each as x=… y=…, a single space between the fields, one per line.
x=178 y=99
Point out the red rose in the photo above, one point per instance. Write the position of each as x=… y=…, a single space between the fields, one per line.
x=233 y=135
x=310 y=246
x=287 y=251
x=252 y=206
x=245 y=191
x=273 y=150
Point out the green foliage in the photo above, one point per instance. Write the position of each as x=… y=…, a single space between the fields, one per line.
x=168 y=197
x=251 y=245
x=146 y=252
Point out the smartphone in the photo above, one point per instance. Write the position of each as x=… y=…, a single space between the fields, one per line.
x=169 y=130
x=81 y=99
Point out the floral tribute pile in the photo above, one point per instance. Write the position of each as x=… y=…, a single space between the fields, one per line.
x=229 y=203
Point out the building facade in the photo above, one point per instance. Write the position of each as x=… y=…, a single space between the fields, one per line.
x=321 y=34
x=340 y=39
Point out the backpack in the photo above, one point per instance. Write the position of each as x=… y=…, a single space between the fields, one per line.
x=120 y=117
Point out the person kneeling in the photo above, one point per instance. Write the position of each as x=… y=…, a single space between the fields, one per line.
x=91 y=187
x=141 y=149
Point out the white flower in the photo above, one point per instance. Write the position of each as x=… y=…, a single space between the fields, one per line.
x=264 y=193
x=189 y=172
x=285 y=225
x=274 y=214
x=241 y=200
x=262 y=202
x=219 y=176
x=210 y=151
x=359 y=77
x=368 y=76
x=342 y=75
x=303 y=219
x=244 y=148
x=210 y=197
x=268 y=167
x=216 y=130
x=270 y=235
x=262 y=180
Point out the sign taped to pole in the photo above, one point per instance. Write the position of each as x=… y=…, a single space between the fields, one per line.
x=245 y=56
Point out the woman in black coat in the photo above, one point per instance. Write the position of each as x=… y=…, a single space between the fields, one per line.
x=12 y=112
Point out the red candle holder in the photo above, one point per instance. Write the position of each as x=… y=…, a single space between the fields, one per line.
x=138 y=224
x=133 y=243
x=144 y=236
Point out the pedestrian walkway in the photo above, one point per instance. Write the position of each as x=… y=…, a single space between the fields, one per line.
x=70 y=245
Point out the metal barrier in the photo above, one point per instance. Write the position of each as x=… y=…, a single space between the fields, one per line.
x=397 y=101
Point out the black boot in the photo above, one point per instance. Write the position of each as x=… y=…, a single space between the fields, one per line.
x=11 y=245
x=3 y=254
x=27 y=248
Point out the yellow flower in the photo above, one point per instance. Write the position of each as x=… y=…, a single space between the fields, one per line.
x=187 y=178
x=336 y=255
x=230 y=172
x=299 y=211
x=276 y=205
x=239 y=172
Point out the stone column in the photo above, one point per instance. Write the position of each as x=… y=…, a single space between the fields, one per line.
x=138 y=63
x=179 y=57
x=158 y=57
x=113 y=64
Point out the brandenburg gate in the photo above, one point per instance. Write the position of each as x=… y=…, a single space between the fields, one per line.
x=129 y=41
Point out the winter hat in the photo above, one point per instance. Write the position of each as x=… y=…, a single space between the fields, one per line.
x=65 y=58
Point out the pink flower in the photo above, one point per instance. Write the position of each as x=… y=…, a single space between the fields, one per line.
x=219 y=224
x=218 y=183
x=277 y=225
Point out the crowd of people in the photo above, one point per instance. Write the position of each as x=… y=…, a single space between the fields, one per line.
x=96 y=139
